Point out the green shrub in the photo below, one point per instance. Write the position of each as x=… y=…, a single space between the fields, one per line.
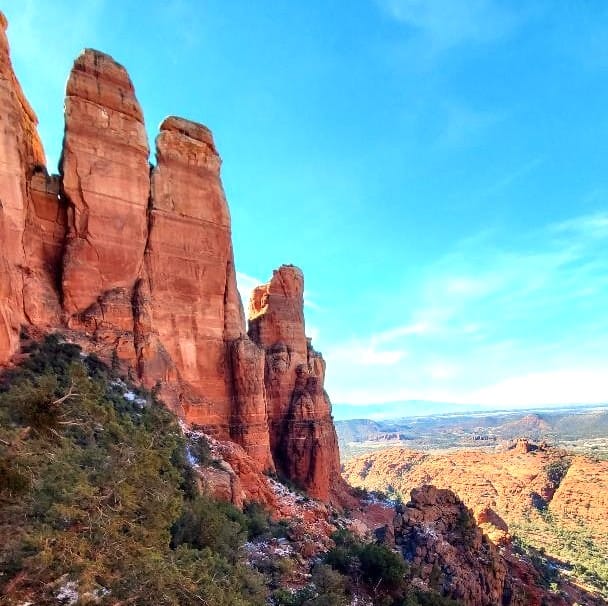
x=328 y=588
x=379 y=564
x=556 y=470
x=376 y=564
x=207 y=524
x=95 y=492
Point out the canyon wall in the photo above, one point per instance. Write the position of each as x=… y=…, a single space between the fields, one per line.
x=136 y=265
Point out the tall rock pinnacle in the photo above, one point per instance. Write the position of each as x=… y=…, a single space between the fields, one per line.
x=137 y=266
x=106 y=179
x=302 y=433
x=194 y=304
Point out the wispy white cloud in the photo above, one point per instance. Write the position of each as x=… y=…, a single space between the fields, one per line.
x=516 y=174
x=561 y=386
x=441 y=371
x=363 y=354
x=593 y=226
x=310 y=303
x=507 y=325
x=445 y=24
x=392 y=334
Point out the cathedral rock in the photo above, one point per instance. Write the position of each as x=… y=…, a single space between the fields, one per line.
x=136 y=265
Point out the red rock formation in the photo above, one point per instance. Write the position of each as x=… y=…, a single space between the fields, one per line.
x=302 y=434
x=581 y=498
x=138 y=267
x=43 y=244
x=20 y=153
x=492 y=525
x=249 y=422
x=105 y=177
x=194 y=305
x=248 y=483
x=447 y=552
x=504 y=481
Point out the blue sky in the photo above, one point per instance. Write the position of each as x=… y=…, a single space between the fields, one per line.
x=438 y=168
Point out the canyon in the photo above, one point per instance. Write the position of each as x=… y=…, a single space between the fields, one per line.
x=134 y=263
x=551 y=499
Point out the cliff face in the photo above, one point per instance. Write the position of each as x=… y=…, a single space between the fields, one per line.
x=137 y=266
x=448 y=552
x=20 y=154
x=303 y=438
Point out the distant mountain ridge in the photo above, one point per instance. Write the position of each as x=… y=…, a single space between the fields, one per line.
x=583 y=429
x=422 y=408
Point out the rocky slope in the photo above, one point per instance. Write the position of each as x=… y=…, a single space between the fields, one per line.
x=448 y=553
x=542 y=495
x=136 y=265
x=436 y=533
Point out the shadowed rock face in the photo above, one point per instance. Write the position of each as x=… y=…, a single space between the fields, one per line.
x=137 y=266
x=249 y=421
x=448 y=552
x=438 y=537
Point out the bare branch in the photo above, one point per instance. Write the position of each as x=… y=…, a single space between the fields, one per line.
x=70 y=394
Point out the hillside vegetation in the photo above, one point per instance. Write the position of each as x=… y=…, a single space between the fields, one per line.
x=99 y=504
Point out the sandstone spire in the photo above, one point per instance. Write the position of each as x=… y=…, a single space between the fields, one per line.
x=194 y=304
x=105 y=174
x=20 y=154
x=302 y=433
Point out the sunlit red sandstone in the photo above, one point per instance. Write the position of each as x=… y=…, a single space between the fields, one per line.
x=137 y=266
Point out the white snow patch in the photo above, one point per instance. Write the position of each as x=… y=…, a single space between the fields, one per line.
x=131 y=396
x=68 y=594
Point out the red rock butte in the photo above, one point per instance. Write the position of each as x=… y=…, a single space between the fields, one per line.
x=136 y=265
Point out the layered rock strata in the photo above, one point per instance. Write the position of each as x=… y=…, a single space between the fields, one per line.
x=137 y=266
